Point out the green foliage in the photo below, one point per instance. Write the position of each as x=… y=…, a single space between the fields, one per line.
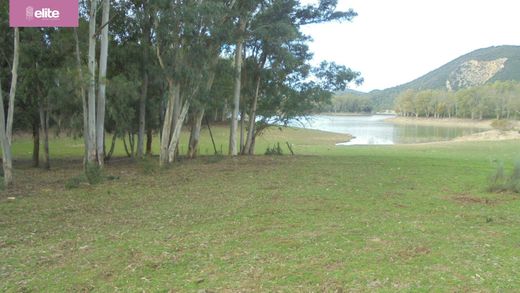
x=497 y=100
x=276 y=150
x=350 y=103
x=94 y=174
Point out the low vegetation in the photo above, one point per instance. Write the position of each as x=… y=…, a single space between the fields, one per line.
x=389 y=218
x=500 y=182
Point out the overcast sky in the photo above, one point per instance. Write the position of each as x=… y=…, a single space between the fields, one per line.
x=395 y=41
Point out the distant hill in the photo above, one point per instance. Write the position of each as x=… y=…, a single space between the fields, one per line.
x=475 y=68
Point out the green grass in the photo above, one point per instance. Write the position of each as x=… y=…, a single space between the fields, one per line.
x=388 y=218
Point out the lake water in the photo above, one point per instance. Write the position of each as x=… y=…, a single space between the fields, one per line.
x=374 y=130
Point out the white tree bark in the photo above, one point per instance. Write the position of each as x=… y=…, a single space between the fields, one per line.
x=174 y=142
x=173 y=92
x=195 y=133
x=101 y=98
x=14 y=80
x=6 y=147
x=6 y=130
x=91 y=145
x=236 y=91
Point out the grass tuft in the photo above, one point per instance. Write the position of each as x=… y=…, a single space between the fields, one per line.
x=75 y=182
x=94 y=174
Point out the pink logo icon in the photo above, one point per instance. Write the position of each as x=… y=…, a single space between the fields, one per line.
x=43 y=13
x=29 y=13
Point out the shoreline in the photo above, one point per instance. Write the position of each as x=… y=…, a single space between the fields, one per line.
x=447 y=122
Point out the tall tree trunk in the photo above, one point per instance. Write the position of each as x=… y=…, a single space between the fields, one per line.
x=196 y=127
x=7 y=162
x=101 y=98
x=44 y=123
x=236 y=90
x=144 y=89
x=142 y=116
x=82 y=96
x=177 y=132
x=242 y=122
x=6 y=129
x=14 y=81
x=173 y=92
x=195 y=133
x=251 y=150
x=36 y=143
x=91 y=138
x=252 y=118
x=112 y=147
x=149 y=138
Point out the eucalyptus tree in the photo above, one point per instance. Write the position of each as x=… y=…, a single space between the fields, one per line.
x=95 y=108
x=275 y=43
x=6 y=127
x=186 y=45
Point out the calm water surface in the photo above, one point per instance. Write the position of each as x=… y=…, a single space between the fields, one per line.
x=374 y=130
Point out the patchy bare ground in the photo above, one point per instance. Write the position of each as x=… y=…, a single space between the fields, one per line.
x=490 y=135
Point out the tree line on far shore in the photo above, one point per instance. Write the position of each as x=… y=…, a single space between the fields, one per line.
x=141 y=67
x=498 y=100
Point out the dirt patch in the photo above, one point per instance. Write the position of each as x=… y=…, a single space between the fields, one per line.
x=414 y=252
x=465 y=199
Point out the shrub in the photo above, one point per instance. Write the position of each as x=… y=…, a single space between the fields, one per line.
x=502 y=125
x=74 y=182
x=274 y=151
x=499 y=182
x=514 y=180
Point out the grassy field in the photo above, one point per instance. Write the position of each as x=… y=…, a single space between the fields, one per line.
x=388 y=218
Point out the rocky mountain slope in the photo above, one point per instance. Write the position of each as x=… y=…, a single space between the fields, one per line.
x=475 y=68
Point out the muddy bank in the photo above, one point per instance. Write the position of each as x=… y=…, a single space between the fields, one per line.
x=448 y=122
x=490 y=135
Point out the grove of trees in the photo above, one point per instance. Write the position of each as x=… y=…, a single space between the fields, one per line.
x=136 y=68
x=498 y=100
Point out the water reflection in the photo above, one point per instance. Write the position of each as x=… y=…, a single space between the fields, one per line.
x=368 y=130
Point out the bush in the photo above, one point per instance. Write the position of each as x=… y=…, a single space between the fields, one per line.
x=503 y=124
x=274 y=151
x=514 y=180
x=74 y=182
x=499 y=182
